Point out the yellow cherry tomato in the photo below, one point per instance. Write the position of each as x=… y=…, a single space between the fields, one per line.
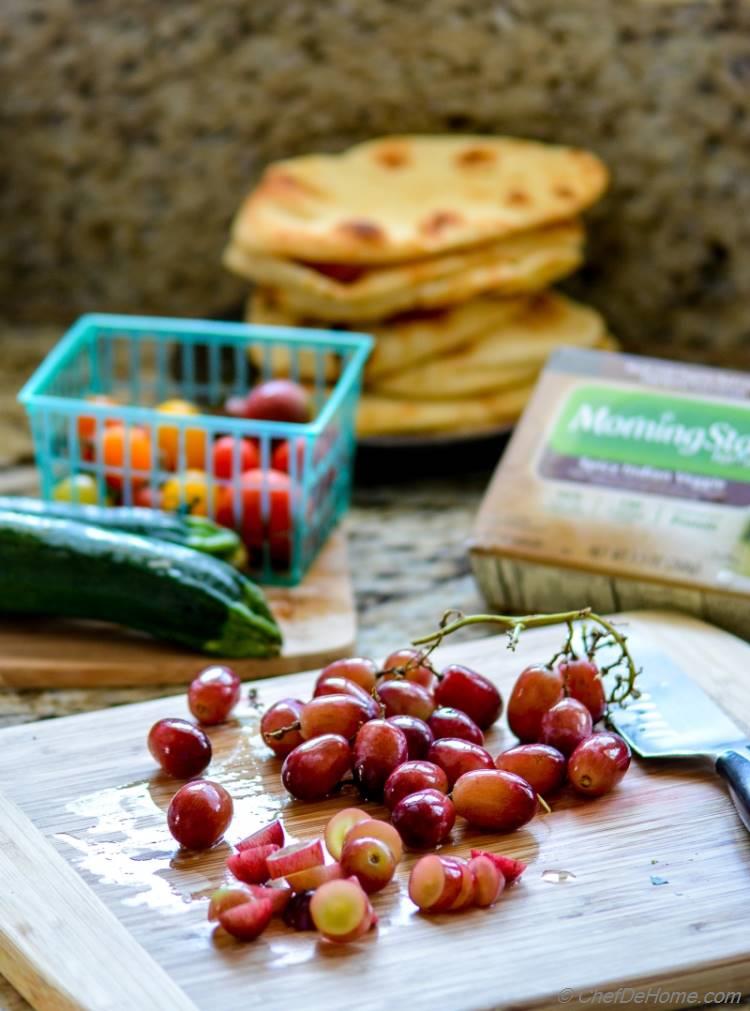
x=80 y=488
x=188 y=492
x=169 y=438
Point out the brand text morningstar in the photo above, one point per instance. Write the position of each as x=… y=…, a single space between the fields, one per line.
x=719 y=440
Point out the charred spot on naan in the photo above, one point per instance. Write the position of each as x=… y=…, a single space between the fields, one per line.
x=285 y=186
x=564 y=192
x=517 y=198
x=439 y=222
x=392 y=156
x=476 y=156
x=362 y=230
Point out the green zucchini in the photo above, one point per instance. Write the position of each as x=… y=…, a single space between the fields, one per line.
x=196 y=532
x=190 y=531
x=52 y=566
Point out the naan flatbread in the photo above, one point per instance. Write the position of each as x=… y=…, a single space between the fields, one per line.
x=400 y=342
x=406 y=197
x=522 y=263
x=514 y=345
x=381 y=415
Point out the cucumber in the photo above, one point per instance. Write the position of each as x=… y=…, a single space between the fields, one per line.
x=196 y=532
x=68 y=569
x=189 y=531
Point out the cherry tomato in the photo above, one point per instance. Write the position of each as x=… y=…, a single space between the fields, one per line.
x=169 y=438
x=80 y=488
x=87 y=423
x=256 y=525
x=223 y=456
x=279 y=400
x=190 y=492
x=282 y=454
x=119 y=444
x=147 y=497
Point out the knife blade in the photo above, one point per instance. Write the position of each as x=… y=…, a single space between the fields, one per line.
x=674 y=718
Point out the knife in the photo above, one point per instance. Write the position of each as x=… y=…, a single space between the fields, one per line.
x=674 y=718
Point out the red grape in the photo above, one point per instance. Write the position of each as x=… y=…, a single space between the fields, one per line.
x=247 y=921
x=419 y=737
x=598 y=764
x=456 y=757
x=449 y=722
x=297 y=913
x=370 y=861
x=356 y=668
x=213 y=694
x=332 y=685
x=199 y=814
x=405 y=698
x=333 y=714
x=411 y=777
x=424 y=819
x=583 y=682
x=494 y=800
x=316 y=767
x=435 y=882
x=282 y=714
x=536 y=690
x=410 y=664
x=488 y=881
x=465 y=896
x=180 y=748
x=539 y=764
x=473 y=693
x=565 y=725
x=378 y=748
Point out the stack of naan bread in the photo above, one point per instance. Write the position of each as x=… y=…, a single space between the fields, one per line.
x=443 y=248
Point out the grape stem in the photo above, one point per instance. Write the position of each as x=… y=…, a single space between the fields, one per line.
x=625 y=682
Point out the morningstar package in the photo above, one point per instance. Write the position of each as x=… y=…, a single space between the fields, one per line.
x=626 y=484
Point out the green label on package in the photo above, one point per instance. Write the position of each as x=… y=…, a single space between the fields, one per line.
x=652 y=442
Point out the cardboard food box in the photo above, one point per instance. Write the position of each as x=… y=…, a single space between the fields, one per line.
x=626 y=484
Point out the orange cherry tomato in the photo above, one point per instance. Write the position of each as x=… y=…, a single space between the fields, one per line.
x=168 y=438
x=133 y=445
x=87 y=422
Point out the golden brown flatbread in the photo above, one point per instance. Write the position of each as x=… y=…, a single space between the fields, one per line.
x=381 y=415
x=521 y=263
x=513 y=348
x=406 y=197
x=400 y=342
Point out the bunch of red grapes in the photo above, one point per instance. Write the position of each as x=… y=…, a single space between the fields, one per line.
x=411 y=737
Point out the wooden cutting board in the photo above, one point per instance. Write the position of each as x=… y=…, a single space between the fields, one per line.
x=317 y=618
x=649 y=886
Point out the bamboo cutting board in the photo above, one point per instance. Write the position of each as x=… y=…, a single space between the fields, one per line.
x=317 y=619
x=649 y=886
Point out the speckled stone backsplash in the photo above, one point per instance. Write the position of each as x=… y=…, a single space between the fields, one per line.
x=130 y=132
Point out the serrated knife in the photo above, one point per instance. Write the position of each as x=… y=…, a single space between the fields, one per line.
x=674 y=718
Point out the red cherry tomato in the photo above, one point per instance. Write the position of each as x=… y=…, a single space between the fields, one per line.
x=261 y=490
x=282 y=454
x=223 y=456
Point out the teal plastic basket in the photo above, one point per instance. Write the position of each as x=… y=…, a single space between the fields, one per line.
x=144 y=361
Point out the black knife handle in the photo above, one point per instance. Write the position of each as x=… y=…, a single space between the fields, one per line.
x=735 y=769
